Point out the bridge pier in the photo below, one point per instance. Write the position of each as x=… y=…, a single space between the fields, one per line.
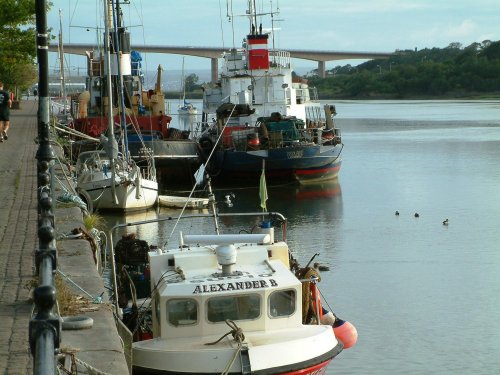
x=215 y=69
x=321 y=69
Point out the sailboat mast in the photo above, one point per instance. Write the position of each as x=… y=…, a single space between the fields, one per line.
x=107 y=61
x=61 y=63
x=117 y=32
x=111 y=133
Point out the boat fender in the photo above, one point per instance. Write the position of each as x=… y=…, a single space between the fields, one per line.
x=328 y=317
x=345 y=332
x=76 y=322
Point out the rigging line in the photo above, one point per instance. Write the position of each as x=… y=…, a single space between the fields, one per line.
x=221 y=27
x=74 y=11
x=232 y=23
x=141 y=16
x=194 y=186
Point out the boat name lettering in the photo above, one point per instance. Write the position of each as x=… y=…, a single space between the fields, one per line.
x=239 y=285
x=295 y=154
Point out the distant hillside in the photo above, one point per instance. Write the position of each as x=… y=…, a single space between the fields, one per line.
x=454 y=71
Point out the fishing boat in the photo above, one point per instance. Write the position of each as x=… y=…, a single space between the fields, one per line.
x=230 y=303
x=106 y=178
x=144 y=110
x=269 y=115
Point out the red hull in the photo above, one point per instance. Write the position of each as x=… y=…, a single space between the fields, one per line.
x=319 y=369
x=95 y=126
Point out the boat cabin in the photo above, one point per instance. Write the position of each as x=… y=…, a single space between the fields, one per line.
x=195 y=292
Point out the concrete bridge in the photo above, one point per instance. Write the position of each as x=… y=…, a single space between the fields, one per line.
x=214 y=53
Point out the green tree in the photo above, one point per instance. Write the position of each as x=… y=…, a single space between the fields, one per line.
x=17 y=43
x=190 y=83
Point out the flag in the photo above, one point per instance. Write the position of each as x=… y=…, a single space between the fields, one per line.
x=263 y=189
x=199 y=175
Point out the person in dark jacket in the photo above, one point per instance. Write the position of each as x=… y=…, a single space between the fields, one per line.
x=5 y=103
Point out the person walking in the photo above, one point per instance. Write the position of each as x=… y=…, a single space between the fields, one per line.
x=5 y=104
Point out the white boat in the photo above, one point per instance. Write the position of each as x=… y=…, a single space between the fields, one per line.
x=114 y=183
x=107 y=179
x=285 y=124
x=181 y=202
x=231 y=304
x=186 y=108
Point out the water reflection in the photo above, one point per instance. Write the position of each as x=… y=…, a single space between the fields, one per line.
x=311 y=208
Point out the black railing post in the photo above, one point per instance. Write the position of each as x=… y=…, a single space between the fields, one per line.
x=45 y=326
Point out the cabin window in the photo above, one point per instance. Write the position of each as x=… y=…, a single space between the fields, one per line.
x=182 y=311
x=282 y=303
x=233 y=308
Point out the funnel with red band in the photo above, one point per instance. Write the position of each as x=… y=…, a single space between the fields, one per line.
x=258 y=53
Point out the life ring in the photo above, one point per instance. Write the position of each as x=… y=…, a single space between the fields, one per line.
x=86 y=198
x=316 y=301
x=76 y=322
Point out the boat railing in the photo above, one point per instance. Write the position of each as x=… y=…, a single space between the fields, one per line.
x=313 y=93
x=279 y=59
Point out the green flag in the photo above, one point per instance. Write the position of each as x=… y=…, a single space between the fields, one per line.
x=263 y=190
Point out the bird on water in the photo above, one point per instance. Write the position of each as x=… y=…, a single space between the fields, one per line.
x=445 y=222
x=416 y=214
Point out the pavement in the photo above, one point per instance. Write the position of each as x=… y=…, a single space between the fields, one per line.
x=96 y=348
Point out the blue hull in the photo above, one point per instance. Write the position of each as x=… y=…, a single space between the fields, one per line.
x=297 y=163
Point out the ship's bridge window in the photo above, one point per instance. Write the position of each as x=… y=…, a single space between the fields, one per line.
x=233 y=308
x=282 y=303
x=182 y=311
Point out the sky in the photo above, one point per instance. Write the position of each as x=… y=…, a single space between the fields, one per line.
x=334 y=25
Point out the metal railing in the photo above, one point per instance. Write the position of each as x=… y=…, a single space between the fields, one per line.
x=45 y=324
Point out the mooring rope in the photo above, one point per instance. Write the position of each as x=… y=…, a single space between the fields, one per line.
x=238 y=336
x=74 y=360
x=94 y=299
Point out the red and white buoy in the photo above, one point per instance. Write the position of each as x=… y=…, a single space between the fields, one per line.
x=345 y=332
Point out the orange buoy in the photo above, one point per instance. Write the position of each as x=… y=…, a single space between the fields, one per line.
x=345 y=332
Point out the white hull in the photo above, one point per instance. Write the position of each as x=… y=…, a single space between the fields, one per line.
x=187 y=112
x=131 y=190
x=303 y=348
x=127 y=196
x=180 y=202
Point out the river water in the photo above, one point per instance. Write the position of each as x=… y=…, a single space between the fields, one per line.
x=423 y=296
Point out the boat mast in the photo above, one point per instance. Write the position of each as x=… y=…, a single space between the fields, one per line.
x=117 y=31
x=61 y=64
x=183 y=83
x=111 y=133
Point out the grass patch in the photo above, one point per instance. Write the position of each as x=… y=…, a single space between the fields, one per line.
x=94 y=221
x=68 y=302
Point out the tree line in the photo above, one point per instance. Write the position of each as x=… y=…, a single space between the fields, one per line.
x=454 y=71
x=17 y=44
